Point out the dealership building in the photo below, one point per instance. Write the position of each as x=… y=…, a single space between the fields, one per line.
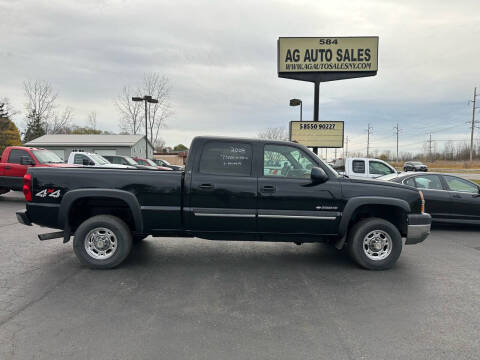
x=63 y=145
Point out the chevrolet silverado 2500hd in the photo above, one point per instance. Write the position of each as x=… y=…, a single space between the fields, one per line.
x=228 y=191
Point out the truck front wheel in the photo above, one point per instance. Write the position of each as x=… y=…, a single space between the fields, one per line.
x=374 y=244
x=102 y=242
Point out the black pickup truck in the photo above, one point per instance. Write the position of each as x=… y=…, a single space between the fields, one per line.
x=231 y=189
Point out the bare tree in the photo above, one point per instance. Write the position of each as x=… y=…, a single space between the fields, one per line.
x=130 y=111
x=92 y=120
x=159 y=145
x=132 y=114
x=60 y=122
x=274 y=134
x=40 y=99
x=159 y=88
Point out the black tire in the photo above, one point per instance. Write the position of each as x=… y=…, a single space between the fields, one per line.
x=358 y=253
x=116 y=226
x=4 y=191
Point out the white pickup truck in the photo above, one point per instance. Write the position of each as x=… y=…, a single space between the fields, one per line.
x=363 y=167
x=92 y=159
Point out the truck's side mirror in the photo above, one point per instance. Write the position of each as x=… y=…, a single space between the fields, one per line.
x=87 y=162
x=318 y=175
x=26 y=160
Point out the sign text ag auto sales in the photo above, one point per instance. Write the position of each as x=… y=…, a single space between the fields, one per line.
x=328 y=54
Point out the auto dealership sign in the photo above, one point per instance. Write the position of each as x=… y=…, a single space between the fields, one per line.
x=325 y=134
x=327 y=54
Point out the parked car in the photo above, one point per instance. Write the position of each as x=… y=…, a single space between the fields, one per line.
x=226 y=194
x=148 y=162
x=448 y=198
x=356 y=168
x=127 y=160
x=92 y=159
x=414 y=166
x=161 y=162
x=16 y=160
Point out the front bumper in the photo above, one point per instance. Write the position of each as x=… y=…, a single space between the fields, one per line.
x=23 y=218
x=418 y=228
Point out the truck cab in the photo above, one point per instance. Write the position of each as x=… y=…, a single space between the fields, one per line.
x=360 y=168
x=92 y=159
x=16 y=160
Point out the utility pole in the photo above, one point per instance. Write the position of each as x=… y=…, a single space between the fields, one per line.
x=397 y=130
x=369 y=130
x=473 y=121
x=430 y=147
x=345 y=153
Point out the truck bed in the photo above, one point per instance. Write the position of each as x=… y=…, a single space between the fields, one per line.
x=159 y=194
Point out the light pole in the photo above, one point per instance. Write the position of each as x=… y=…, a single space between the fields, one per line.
x=147 y=99
x=296 y=102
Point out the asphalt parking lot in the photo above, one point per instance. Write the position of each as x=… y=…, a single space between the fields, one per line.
x=197 y=299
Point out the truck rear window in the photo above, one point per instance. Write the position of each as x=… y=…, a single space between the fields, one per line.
x=358 y=166
x=226 y=158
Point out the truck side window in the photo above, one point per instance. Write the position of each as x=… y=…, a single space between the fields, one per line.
x=379 y=168
x=226 y=158
x=15 y=156
x=358 y=166
x=286 y=161
x=78 y=159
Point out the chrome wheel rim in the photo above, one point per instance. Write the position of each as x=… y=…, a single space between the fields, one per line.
x=101 y=243
x=377 y=245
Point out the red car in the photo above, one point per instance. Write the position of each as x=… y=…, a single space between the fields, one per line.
x=148 y=162
x=17 y=159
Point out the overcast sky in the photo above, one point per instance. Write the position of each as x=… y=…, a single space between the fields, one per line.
x=220 y=57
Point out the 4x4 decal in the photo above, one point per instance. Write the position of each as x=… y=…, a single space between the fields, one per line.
x=48 y=192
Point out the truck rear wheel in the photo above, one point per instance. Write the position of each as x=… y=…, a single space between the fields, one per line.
x=374 y=244
x=102 y=242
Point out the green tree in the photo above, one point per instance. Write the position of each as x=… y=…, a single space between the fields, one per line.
x=180 y=147
x=9 y=134
x=35 y=127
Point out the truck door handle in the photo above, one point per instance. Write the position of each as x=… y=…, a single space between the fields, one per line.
x=268 y=189
x=457 y=196
x=206 y=186
x=7 y=167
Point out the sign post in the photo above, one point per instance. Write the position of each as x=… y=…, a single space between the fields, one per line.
x=321 y=59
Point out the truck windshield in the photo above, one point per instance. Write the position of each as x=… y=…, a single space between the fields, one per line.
x=100 y=159
x=150 y=162
x=47 y=157
x=130 y=161
x=330 y=168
